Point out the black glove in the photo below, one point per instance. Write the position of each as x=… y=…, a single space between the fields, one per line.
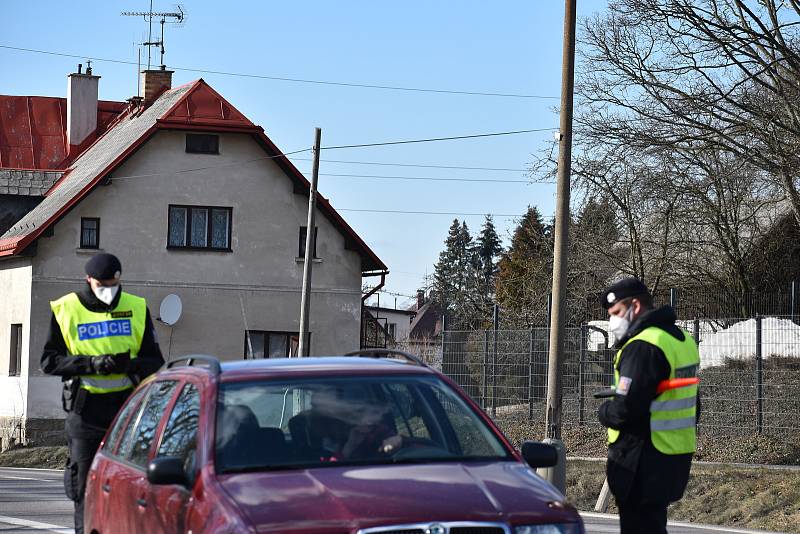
x=107 y=364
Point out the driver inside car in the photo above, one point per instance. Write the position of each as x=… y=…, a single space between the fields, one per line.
x=373 y=434
x=349 y=425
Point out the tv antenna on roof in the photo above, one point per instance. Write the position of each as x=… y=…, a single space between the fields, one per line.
x=176 y=17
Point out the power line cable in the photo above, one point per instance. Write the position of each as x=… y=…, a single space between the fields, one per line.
x=431 y=178
x=295 y=80
x=403 y=212
x=426 y=140
x=433 y=139
x=395 y=294
x=455 y=167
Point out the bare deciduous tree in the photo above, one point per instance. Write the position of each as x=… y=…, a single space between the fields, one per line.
x=719 y=74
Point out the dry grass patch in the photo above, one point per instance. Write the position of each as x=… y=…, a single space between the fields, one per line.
x=728 y=496
x=41 y=457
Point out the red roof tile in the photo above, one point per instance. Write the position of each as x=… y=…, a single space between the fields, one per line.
x=33 y=130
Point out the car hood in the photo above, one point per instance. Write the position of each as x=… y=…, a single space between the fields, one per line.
x=344 y=499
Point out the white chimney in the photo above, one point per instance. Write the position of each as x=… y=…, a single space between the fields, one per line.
x=81 y=106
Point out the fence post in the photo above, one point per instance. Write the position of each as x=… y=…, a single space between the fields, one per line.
x=581 y=360
x=530 y=375
x=496 y=323
x=696 y=330
x=485 y=371
x=445 y=368
x=673 y=297
x=793 y=300
x=547 y=340
x=759 y=378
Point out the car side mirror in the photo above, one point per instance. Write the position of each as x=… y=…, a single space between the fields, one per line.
x=538 y=454
x=167 y=470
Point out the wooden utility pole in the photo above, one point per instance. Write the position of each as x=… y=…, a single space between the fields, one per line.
x=556 y=348
x=303 y=348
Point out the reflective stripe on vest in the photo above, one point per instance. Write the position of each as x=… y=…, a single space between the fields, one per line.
x=105 y=383
x=88 y=333
x=668 y=405
x=673 y=412
x=672 y=424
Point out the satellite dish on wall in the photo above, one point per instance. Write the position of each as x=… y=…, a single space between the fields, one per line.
x=171 y=308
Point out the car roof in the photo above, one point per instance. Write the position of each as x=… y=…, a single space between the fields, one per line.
x=313 y=366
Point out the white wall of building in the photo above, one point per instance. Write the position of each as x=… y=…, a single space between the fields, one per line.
x=15 y=308
x=401 y=320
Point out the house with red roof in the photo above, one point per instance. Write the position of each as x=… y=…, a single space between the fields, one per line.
x=194 y=199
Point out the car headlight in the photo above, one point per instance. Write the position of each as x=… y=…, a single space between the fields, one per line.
x=562 y=528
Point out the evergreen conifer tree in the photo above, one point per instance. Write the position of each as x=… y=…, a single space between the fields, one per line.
x=455 y=277
x=489 y=249
x=525 y=270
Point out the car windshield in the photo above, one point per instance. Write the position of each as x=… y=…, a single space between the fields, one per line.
x=265 y=424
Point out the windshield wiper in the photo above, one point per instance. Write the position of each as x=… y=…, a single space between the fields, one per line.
x=352 y=463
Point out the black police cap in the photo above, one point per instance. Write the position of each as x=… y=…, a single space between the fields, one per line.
x=103 y=267
x=625 y=288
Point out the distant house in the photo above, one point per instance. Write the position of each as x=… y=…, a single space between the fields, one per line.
x=388 y=325
x=196 y=201
x=416 y=328
x=427 y=323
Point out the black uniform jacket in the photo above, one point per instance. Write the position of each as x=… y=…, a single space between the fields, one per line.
x=632 y=459
x=99 y=409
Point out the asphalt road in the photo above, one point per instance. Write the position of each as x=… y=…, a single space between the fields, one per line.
x=32 y=501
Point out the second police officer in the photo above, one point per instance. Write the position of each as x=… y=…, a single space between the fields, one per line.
x=652 y=417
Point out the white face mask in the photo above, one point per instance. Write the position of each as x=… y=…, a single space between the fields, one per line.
x=619 y=325
x=106 y=294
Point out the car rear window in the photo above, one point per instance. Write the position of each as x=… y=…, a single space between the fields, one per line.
x=268 y=424
x=122 y=420
x=138 y=438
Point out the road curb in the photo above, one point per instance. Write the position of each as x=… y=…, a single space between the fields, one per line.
x=706 y=464
x=32 y=469
x=684 y=524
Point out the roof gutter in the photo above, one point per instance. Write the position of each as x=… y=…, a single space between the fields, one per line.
x=375 y=289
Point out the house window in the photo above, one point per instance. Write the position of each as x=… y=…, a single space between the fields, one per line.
x=90 y=232
x=390 y=329
x=199 y=227
x=202 y=144
x=302 y=242
x=15 y=360
x=260 y=344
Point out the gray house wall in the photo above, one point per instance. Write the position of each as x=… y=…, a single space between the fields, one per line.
x=256 y=286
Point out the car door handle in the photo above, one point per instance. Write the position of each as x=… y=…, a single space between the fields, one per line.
x=142 y=502
x=107 y=487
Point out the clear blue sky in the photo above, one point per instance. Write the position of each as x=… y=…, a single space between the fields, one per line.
x=502 y=47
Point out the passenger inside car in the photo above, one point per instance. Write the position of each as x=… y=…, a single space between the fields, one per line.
x=243 y=442
x=319 y=432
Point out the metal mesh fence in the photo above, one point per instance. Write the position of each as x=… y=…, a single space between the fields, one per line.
x=750 y=372
x=704 y=301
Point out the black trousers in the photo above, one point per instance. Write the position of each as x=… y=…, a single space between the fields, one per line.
x=642 y=518
x=83 y=440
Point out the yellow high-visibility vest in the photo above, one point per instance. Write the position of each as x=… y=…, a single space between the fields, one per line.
x=88 y=333
x=673 y=412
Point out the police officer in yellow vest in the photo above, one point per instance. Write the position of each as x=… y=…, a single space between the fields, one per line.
x=652 y=417
x=101 y=343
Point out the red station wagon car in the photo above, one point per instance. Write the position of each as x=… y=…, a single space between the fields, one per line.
x=336 y=445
